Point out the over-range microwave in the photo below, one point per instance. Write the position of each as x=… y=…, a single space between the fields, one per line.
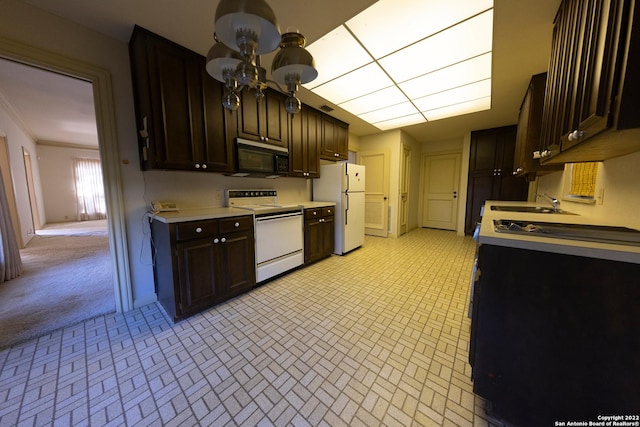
x=259 y=159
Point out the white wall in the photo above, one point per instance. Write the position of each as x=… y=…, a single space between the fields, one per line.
x=621 y=203
x=55 y=164
x=414 y=179
x=391 y=141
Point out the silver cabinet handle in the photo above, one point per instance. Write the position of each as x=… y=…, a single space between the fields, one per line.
x=198 y=230
x=237 y=224
x=223 y=240
x=216 y=240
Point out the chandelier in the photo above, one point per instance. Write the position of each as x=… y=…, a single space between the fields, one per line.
x=244 y=30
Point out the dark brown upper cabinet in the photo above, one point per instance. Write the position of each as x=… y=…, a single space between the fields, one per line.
x=592 y=96
x=304 y=147
x=179 y=115
x=335 y=139
x=264 y=120
x=528 y=139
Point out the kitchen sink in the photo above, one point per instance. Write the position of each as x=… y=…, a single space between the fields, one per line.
x=532 y=209
x=589 y=233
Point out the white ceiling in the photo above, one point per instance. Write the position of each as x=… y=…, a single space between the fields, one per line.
x=48 y=104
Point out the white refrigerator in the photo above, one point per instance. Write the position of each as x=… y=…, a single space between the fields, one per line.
x=343 y=183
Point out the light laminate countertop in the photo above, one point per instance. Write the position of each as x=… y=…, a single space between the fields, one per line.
x=611 y=251
x=198 y=214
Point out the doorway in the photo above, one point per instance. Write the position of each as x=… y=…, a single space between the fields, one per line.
x=79 y=285
x=440 y=183
x=31 y=189
x=376 y=199
x=103 y=94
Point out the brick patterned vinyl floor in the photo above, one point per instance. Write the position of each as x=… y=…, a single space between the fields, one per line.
x=378 y=337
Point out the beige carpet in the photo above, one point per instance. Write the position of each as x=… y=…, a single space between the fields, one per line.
x=67 y=278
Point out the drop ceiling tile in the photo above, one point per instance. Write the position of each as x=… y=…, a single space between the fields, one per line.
x=413 y=119
x=362 y=81
x=390 y=112
x=461 y=42
x=475 y=69
x=336 y=54
x=457 y=95
x=459 y=109
x=389 y=25
x=364 y=104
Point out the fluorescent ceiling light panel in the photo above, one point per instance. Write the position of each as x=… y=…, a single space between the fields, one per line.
x=466 y=40
x=373 y=101
x=468 y=107
x=458 y=95
x=399 y=55
x=340 y=53
x=474 y=69
x=362 y=81
x=390 y=25
x=399 y=110
x=413 y=119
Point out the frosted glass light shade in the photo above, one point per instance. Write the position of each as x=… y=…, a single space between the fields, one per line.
x=252 y=15
x=219 y=58
x=293 y=58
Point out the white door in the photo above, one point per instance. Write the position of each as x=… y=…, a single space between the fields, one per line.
x=405 y=174
x=440 y=196
x=376 y=200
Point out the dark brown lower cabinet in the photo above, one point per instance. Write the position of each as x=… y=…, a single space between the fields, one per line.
x=201 y=263
x=319 y=235
x=555 y=337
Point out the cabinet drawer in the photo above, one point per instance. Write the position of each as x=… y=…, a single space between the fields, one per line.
x=196 y=229
x=238 y=223
x=328 y=211
x=312 y=213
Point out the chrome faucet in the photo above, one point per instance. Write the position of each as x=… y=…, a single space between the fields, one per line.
x=554 y=202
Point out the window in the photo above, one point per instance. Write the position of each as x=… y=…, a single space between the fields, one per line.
x=89 y=189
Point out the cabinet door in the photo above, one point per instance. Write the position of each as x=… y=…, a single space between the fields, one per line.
x=239 y=262
x=334 y=139
x=313 y=240
x=313 y=141
x=275 y=128
x=561 y=81
x=600 y=48
x=198 y=272
x=217 y=144
x=297 y=148
x=248 y=115
x=263 y=120
x=179 y=105
x=328 y=236
x=304 y=149
x=528 y=137
x=174 y=96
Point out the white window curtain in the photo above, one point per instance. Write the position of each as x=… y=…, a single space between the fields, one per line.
x=10 y=261
x=89 y=189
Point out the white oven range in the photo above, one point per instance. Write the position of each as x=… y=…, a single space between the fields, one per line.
x=279 y=233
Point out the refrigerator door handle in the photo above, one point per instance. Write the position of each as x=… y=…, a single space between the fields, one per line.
x=347 y=189
x=346 y=211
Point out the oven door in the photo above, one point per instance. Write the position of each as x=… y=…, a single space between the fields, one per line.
x=279 y=243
